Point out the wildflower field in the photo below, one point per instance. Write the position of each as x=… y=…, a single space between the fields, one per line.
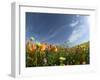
x=44 y=54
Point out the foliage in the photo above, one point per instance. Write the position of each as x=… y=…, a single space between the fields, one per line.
x=43 y=54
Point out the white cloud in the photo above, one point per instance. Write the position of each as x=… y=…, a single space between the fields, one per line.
x=74 y=23
x=53 y=34
x=74 y=36
x=77 y=33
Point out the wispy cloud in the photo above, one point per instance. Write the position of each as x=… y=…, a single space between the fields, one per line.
x=78 y=32
x=53 y=34
x=73 y=24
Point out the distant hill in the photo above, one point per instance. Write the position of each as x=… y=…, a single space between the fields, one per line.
x=85 y=44
x=69 y=45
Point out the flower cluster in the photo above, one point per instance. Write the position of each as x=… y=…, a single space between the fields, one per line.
x=44 y=54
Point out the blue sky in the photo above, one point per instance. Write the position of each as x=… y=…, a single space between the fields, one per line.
x=57 y=28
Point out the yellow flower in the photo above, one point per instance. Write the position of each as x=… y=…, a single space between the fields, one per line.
x=83 y=62
x=38 y=44
x=62 y=58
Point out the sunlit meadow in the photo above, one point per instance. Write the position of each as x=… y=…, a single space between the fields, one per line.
x=56 y=39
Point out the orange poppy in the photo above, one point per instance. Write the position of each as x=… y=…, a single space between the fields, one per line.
x=53 y=48
x=42 y=47
x=31 y=48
